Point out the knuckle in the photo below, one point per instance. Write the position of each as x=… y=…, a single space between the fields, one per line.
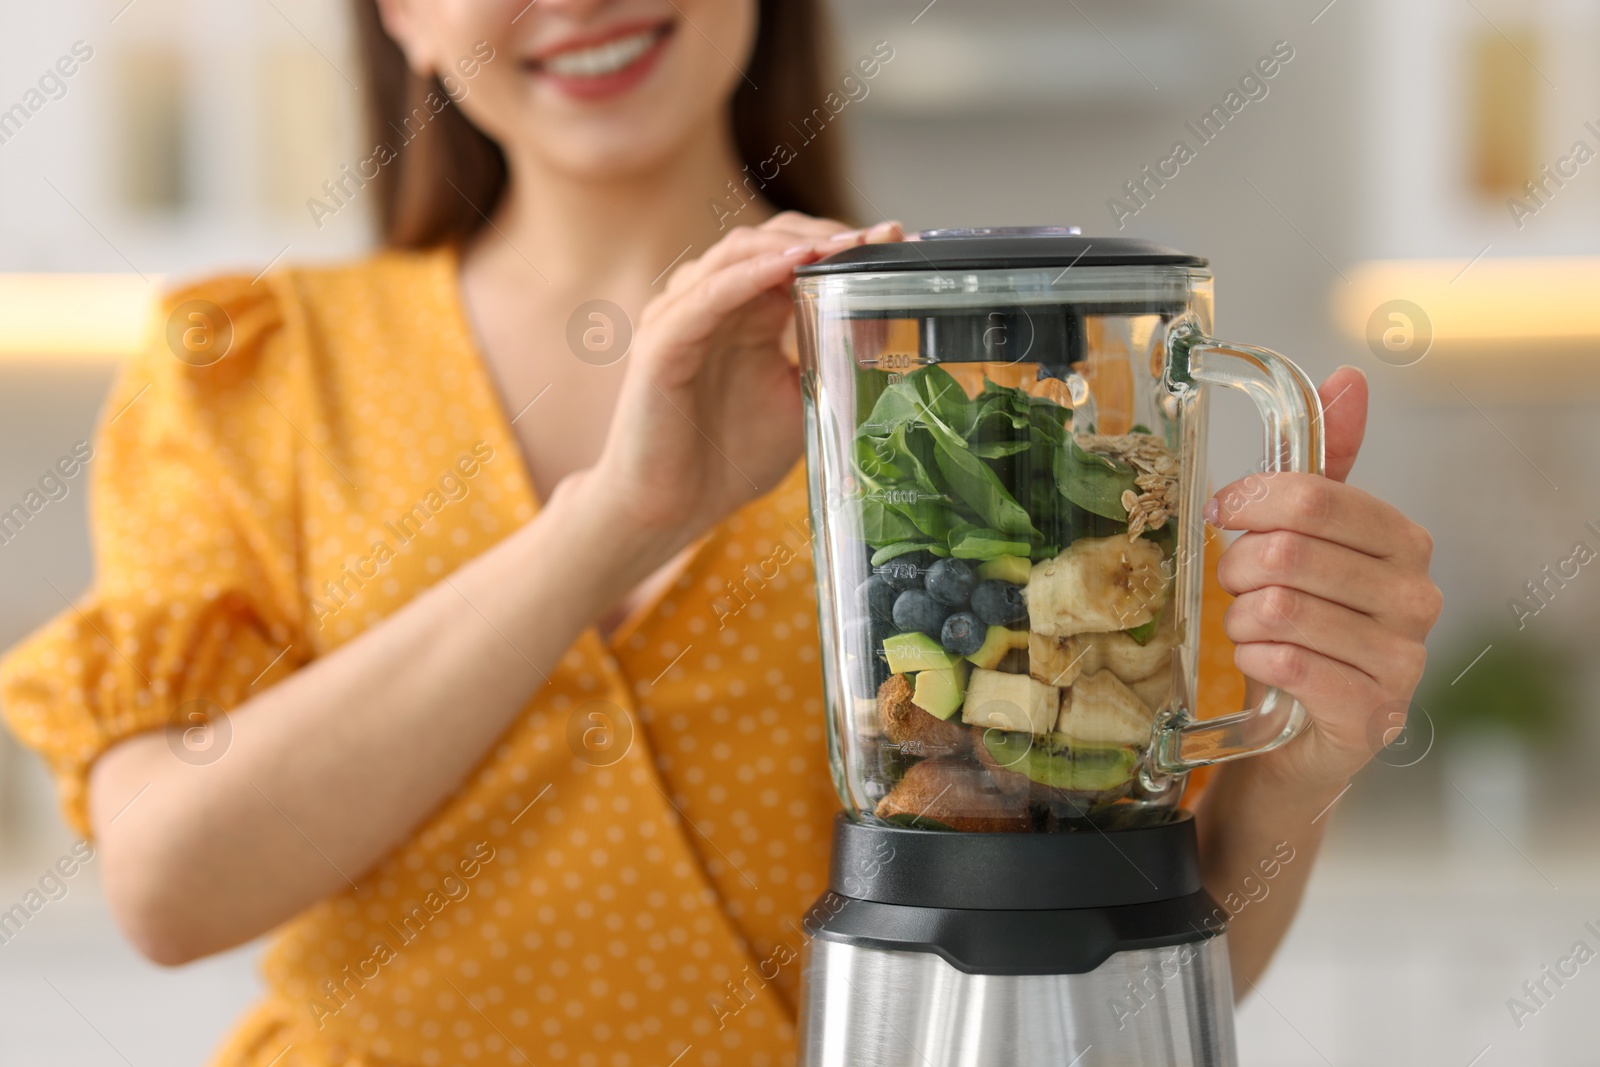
x=1290 y=665
x=1425 y=604
x=1421 y=541
x=1310 y=500
x=1413 y=658
x=1275 y=605
x=1282 y=552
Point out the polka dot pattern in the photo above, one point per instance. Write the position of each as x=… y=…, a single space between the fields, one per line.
x=350 y=451
x=553 y=910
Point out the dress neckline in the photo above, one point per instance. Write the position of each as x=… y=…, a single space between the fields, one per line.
x=480 y=384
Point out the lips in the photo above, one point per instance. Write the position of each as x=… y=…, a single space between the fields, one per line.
x=603 y=64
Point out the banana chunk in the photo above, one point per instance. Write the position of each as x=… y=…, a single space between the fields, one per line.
x=1127 y=658
x=1101 y=710
x=1011 y=702
x=1097 y=585
x=1057 y=660
x=1154 y=690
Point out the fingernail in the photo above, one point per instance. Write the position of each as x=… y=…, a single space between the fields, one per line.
x=848 y=235
x=888 y=226
x=796 y=250
x=1211 y=511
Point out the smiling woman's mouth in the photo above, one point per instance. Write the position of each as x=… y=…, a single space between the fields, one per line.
x=603 y=66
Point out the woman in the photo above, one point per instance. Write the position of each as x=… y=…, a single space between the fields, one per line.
x=419 y=548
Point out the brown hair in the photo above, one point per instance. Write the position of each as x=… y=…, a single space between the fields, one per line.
x=418 y=208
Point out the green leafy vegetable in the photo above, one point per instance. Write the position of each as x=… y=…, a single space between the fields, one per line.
x=940 y=470
x=1094 y=483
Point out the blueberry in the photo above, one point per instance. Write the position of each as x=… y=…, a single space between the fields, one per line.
x=877 y=598
x=999 y=603
x=916 y=610
x=963 y=633
x=950 y=581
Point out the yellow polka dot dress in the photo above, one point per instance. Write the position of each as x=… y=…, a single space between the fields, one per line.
x=634 y=906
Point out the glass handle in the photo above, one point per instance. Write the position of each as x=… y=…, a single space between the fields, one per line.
x=1292 y=412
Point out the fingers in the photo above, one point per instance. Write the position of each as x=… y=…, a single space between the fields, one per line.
x=1356 y=645
x=1344 y=419
x=699 y=310
x=743 y=243
x=1404 y=600
x=780 y=232
x=1340 y=699
x=1321 y=507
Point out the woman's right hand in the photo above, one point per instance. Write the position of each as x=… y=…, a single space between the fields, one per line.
x=709 y=415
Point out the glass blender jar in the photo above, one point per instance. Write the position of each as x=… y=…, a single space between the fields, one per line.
x=1006 y=447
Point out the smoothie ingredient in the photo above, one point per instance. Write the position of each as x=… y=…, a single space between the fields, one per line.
x=940 y=690
x=1011 y=702
x=963 y=633
x=877 y=599
x=996 y=643
x=1081 y=769
x=1100 y=709
x=1013 y=569
x=916 y=610
x=906 y=653
x=1097 y=585
x=999 y=603
x=950 y=581
x=917 y=732
x=1056 y=660
x=955 y=793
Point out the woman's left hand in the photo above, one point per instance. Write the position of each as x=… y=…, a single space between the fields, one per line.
x=1334 y=598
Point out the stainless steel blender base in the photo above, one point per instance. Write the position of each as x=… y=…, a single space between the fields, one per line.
x=1153 y=1007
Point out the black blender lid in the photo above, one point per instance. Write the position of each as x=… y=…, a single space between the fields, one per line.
x=1000 y=248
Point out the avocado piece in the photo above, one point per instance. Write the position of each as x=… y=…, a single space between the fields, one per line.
x=1013 y=569
x=1077 y=769
x=996 y=643
x=915 y=651
x=940 y=690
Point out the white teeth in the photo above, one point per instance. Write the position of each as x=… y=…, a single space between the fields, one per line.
x=603 y=59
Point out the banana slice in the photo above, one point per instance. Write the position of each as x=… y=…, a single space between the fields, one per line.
x=1097 y=585
x=1011 y=702
x=1154 y=690
x=1127 y=658
x=1100 y=710
x=1057 y=660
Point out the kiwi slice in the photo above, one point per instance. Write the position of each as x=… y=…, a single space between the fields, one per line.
x=1078 y=769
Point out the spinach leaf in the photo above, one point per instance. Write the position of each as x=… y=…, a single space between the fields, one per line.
x=1094 y=483
x=882 y=524
x=972 y=481
x=998 y=449
x=875 y=460
x=979 y=543
x=902 y=548
x=941 y=394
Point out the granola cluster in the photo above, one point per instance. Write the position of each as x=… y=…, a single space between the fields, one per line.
x=1156 y=475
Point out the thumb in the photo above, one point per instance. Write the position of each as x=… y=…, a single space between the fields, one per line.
x=1344 y=419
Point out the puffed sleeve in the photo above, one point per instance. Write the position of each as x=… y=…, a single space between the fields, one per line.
x=190 y=513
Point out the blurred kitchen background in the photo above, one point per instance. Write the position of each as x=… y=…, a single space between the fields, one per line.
x=1386 y=162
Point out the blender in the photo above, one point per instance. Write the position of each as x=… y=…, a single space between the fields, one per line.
x=1005 y=438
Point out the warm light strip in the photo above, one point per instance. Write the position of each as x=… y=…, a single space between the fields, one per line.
x=93 y=315
x=1553 y=298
